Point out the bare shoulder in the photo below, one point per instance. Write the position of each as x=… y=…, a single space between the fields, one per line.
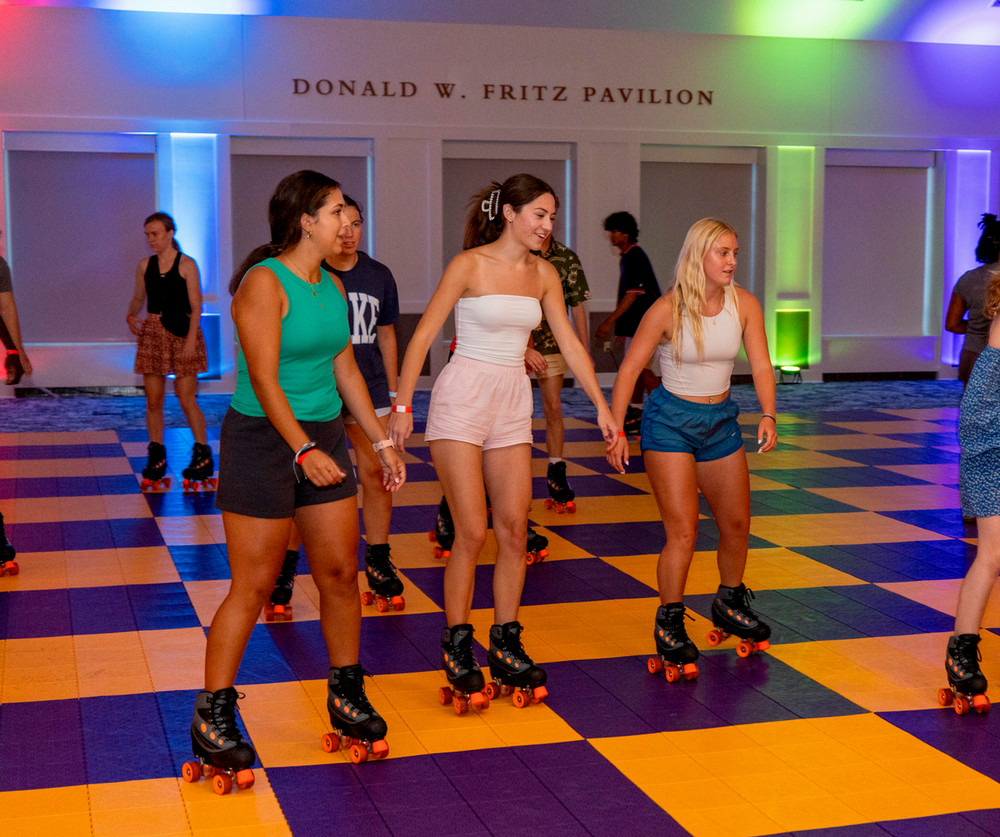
x=747 y=301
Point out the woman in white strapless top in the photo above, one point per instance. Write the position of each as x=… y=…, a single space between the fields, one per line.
x=479 y=423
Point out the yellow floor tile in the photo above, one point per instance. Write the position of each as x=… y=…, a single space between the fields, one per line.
x=894 y=497
x=795 y=530
x=846 y=441
x=176 y=658
x=111 y=664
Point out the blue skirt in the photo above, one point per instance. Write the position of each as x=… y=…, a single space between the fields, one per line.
x=979 y=436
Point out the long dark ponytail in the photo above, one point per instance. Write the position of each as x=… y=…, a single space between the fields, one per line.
x=168 y=225
x=485 y=221
x=302 y=193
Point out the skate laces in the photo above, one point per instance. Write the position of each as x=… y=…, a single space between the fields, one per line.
x=355 y=701
x=742 y=596
x=381 y=564
x=223 y=711
x=963 y=653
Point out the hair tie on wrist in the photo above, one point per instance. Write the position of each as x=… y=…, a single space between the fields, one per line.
x=12 y=352
x=768 y=415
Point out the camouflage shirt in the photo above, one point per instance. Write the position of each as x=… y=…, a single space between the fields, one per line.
x=575 y=291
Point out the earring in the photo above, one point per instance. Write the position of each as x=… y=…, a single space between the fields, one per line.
x=308 y=234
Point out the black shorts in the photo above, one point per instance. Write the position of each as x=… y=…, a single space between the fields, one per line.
x=256 y=477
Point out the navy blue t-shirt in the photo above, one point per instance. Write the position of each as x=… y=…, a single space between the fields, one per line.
x=371 y=302
x=636 y=275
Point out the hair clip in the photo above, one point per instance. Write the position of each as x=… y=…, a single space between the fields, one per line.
x=491 y=206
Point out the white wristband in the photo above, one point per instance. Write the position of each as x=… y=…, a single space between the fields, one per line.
x=392 y=394
x=385 y=443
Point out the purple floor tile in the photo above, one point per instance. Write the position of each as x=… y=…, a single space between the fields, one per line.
x=971 y=739
x=41 y=745
x=35 y=613
x=110 y=721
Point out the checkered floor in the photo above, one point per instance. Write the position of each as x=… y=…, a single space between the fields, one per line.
x=857 y=551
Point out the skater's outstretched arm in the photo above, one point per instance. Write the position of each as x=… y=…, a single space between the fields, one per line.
x=12 y=362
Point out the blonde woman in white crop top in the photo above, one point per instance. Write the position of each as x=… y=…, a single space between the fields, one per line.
x=690 y=438
x=479 y=422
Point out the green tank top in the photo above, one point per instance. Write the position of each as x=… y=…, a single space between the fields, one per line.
x=313 y=332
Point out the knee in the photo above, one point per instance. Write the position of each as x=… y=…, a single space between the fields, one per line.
x=734 y=525
x=471 y=535
x=370 y=474
x=336 y=576
x=682 y=537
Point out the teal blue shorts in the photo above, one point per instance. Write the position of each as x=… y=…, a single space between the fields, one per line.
x=673 y=425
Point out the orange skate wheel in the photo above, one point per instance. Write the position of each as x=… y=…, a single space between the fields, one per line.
x=359 y=753
x=222 y=784
x=479 y=701
x=715 y=636
x=945 y=697
x=690 y=671
x=191 y=771
x=981 y=704
x=460 y=705
x=672 y=673
x=330 y=742
x=654 y=665
x=520 y=699
x=12 y=568
x=445 y=696
x=746 y=648
x=492 y=690
x=539 y=694
x=530 y=558
x=549 y=503
x=244 y=779
x=961 y=705
x=432 y=537
x=571 y=507
x=381 y=604
x=398 y=602
x=366 y=597
x=380 y=749
x=438 y=553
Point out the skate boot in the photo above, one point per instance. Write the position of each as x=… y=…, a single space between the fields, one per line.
x=633 y=421
x=8 y=566
x=966 y=681
x=731 y=614
x=198 y=475
x=356 y=725
x=153 y=478
x=512 y=669
x=560 y=494
x=676 y=654
x=385 y=588
x=222 y=753
x=278 y=607
x=465 y=680
x=444 y=531
x=537 y=547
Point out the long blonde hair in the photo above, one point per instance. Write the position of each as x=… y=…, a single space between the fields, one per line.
x=688 y=288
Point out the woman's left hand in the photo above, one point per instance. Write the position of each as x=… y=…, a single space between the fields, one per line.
x=609 y=429
x=767 y=435
x=189 y=350
x=618 y=454
x=393 y=469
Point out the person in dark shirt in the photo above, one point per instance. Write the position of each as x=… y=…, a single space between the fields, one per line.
x=637 y=291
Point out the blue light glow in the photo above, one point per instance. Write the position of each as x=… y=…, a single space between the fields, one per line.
x=204 y=7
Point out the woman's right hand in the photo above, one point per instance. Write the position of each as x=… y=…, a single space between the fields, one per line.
x=400 y=429
x=320 y=469
x=134 y=324
x=618 y=454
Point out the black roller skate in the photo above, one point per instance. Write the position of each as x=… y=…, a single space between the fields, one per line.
x=385 y=588
x=198 y=475
x=536 y=547
x=967 y=683
x=153 y=478
x=731 y=614
x=633 y=421
x=465 y=679
x=278 y=608
x=222 y=753
x=676 y=654
x=560 y=494
x=356 y=724
x=8 y=566
x=512 y=669
x=444 y=531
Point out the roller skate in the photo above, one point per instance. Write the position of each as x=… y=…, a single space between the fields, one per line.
x=356 y=725
x=633 y=421
x=512 y=669
x=223 y=755
x=198 y=475
x=8 y=566
x=731 y=614
x=153 y=478
x=676 y=654
x=465 y=680
x=536 y=547
x=560 y=494
x=278 y=608
x=444 y=531
x=385 y=588
x=965 y=679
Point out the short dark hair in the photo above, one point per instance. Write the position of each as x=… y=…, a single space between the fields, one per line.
x=349 y=201
x=988 y=249
x=623 y=222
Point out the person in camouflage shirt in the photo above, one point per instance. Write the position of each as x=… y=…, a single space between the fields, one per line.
x=543 y=358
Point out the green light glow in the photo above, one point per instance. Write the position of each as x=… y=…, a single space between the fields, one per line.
x=810 y=18
x=791 y=343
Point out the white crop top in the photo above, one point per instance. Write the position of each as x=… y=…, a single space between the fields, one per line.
x=495 y=327
x=711 y=374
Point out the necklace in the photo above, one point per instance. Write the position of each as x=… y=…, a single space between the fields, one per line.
x=303 y=277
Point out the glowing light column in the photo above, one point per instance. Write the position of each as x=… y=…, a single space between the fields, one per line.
x=792 y=269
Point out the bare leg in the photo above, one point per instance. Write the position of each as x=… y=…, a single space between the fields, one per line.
x=726 y=486
x=256 y=548
x=508 y=480
x=674 y=481
x=551 y=389
x=376 y=502
x=978 y=584
x=155 y=386
x=459 y=467
x=186 y=389
x=330 y=534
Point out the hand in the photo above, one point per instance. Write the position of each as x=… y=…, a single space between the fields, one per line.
x=603 y=330
x=534 y=361
x=189 y=350
x=25 y=363
x=400 y=429
x=618 y=454
x=393 y=469
x=320 y=469
x=14 y=369
x=767 y=435
x=609 y=428
x=135 y=324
